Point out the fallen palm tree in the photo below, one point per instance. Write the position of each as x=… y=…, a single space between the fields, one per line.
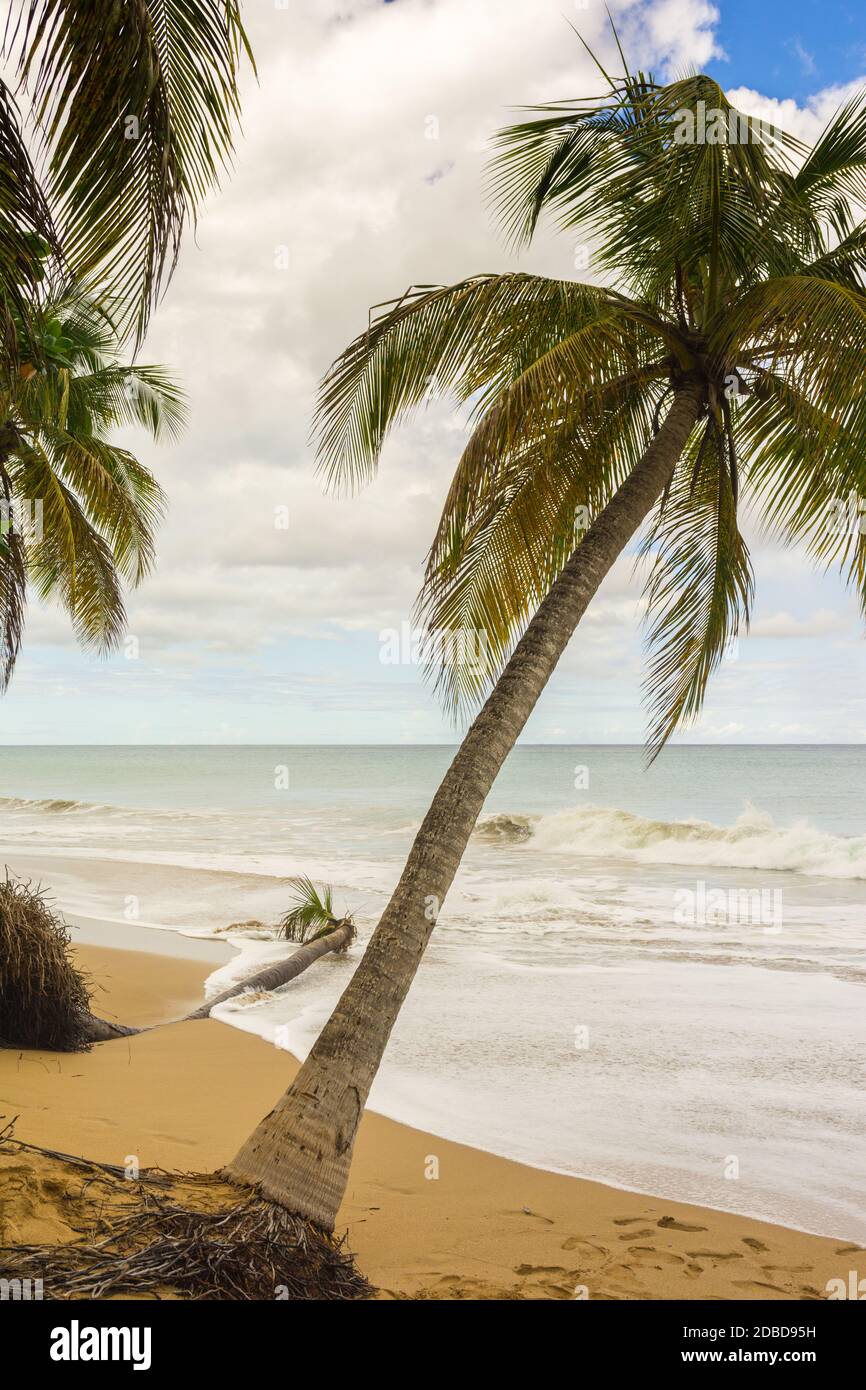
x=45 y=999
x=311 y=922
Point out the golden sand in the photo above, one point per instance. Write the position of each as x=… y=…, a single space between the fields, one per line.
x=184 y=1096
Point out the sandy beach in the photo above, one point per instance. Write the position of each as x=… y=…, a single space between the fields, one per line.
x=184 y=1097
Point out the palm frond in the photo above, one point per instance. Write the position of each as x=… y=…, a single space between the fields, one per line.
x=836 y=163
x=499 y=549
x=13 y=580
x=136 y=105
x=27 y=237
x=809 y=330
x=441 y=340
x=646 y=203
x=700 y=584
x=311 y=913
x=71 y=560
x=807 y=471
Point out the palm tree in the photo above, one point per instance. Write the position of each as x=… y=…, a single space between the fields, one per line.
x=722 y=355
x=77 y=511
x=132 y=115
x=133 y=107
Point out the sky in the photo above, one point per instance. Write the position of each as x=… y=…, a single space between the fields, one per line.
x=358 y=173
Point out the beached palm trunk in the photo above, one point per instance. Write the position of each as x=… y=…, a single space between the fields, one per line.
x=299 y=1155
x=273 y=977
x=282 y=971
x=97 y=1030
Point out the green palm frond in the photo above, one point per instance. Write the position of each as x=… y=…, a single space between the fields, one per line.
x=498 y=550
x=13 y=582
x=807 y=471
x=136 y=105
x=71 y=561
x=311 y=913
x=645 y=203
x=99 y=505
x=121 y=497
x=700 y=585
x=440 y=340
x=809 y=329
x=836 y=163
x=27 y=237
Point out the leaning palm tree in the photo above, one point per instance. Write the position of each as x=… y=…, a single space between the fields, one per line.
x=77 y=511
x=721 y=359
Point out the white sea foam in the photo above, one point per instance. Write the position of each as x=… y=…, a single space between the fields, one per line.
x=754 y=841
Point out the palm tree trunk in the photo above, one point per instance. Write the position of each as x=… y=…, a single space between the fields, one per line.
x=100 y=1030
x=273 y=976
x=299 y=1154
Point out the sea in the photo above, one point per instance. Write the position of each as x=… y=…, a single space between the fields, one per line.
x=653 y=976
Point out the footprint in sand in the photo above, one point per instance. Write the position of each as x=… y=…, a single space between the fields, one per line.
x=668 y=1223
x=759 y=1284
x=585 y=1246
x=627 y=1220
x=757 y=1245
x=664 y=1256
x=552 y=1279
x=714 y=1254
x=630 y=1235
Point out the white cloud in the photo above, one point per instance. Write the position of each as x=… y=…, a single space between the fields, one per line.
x=785 y=625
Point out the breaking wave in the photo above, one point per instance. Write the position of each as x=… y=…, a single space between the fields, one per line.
x=57 y=806
x=754 y=841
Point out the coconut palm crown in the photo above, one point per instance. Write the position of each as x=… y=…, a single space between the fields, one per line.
x=735 y=260
x=77 y=510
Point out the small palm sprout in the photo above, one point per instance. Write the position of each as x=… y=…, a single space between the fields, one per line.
x=312 y=914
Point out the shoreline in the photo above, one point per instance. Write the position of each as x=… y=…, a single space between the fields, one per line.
x=185 y=1097
x=221 y=951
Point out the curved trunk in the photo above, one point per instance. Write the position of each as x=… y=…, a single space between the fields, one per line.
x=299 y=1154
x=273 y=976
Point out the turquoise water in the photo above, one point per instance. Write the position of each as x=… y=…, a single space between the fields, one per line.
x=638 y=974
